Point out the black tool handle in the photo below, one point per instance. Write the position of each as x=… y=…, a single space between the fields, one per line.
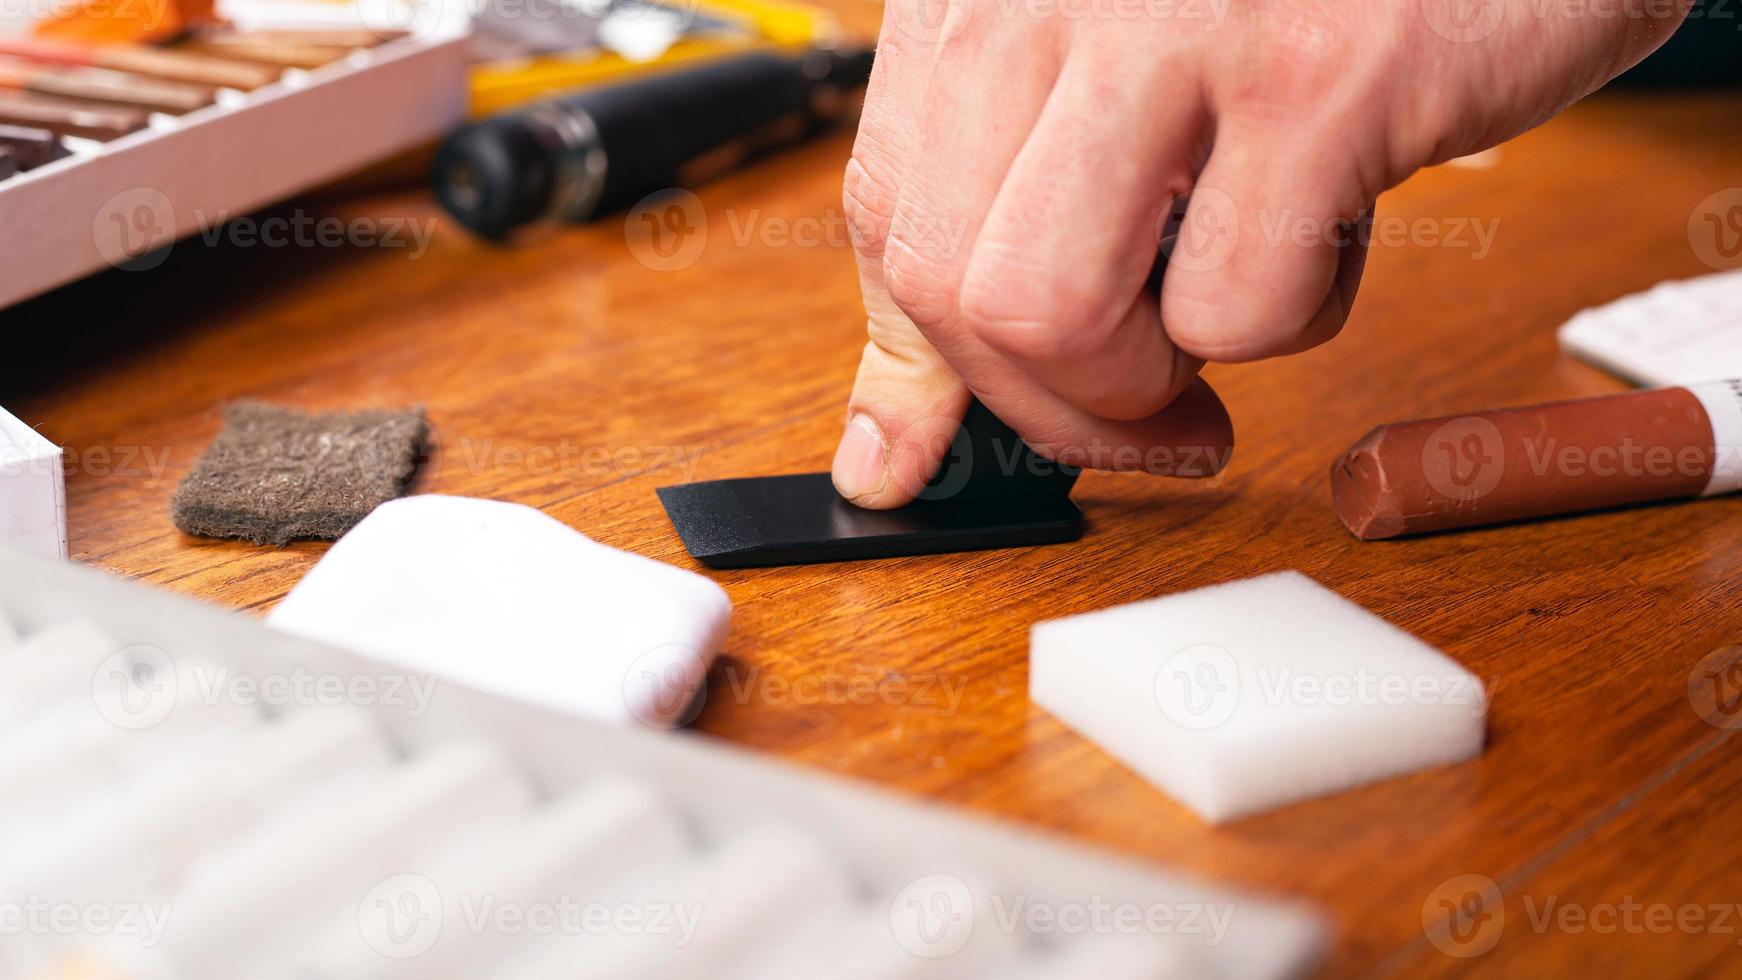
x=651 y=127
x=596 y=150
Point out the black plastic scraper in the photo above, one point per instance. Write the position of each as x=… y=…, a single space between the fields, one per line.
x=992 y=491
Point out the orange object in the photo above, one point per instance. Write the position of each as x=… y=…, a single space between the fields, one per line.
x=115 y=21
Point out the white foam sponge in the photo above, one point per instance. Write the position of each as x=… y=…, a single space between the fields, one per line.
x=1248 y=695
x=503 y=598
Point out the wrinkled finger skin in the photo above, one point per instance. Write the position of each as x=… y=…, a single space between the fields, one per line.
x=1017 y=161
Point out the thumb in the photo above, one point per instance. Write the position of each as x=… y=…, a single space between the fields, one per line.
x=906 y=408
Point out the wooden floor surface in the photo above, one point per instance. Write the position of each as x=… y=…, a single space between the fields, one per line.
x=568 y=374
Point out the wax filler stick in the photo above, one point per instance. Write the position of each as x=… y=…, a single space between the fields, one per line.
x=142 y=60
x=993 y=491
x=69 y=118
x=1541 y=460
x=103 y=86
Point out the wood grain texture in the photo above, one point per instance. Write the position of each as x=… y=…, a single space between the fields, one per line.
x=566 y=374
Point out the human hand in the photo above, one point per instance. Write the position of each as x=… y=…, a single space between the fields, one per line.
x=1016 y=163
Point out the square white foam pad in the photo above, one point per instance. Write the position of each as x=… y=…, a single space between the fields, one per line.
x=505 y=599
x=1248 y=695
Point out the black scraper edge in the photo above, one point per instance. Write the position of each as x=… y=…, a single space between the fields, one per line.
x=993 y=491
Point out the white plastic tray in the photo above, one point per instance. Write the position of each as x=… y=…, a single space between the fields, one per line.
x=119 y=203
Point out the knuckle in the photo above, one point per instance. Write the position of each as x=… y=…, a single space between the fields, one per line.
x=1295 y=57
x=959 y=30
x=1028 y=337
x=1031 y=317
x=868 y=204
x=928 y=23
x=921 y=287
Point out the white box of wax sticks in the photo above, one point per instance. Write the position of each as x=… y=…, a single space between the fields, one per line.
x=123 y=202
x=33 y=499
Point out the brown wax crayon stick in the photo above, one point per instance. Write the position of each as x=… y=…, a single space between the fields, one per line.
x=8 y=163
x=66 y=118
x=280 y=53
x=326 y=37
x=177 y=66
x=32 y=146
x=102 y=85
x=1559 y=458
x=186 y=66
